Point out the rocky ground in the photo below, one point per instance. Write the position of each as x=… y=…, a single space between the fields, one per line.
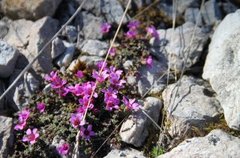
x=189 y=95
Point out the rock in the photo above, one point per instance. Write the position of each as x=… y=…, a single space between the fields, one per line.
x=58 y=48
x=175 y=45
x=222 y=67
x=91 y=61
x=8 y=58
x=152 y=77
x=92 y=6
x=31 y=37
x=66 y=58
x=3 y=29
x=127 y=64
x=183 y=5
x=131 y=80
x=217 y=144
x=113 y=11
x=135 y=129
x=191 y=15
x=71 y=33
x=228 y=7
x=90 y=25
x=193 y=102
x=33 y=10
x=2 y=89
x=94 y=47
x=20 y=94
x=127 y=153
x=6 y=135
x=211 y=12
x=136 y=3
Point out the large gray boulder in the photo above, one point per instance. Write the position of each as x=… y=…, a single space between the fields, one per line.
x=175 y=45
x=217 y=144
x=136 y=128
x=222 y=67
x=190 y=102
x=94 y=47
x=8 y=58
x=34 y=9
x=6 y=135
x=29 y=37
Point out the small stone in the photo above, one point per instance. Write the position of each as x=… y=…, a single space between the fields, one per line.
x=127 y=64
x=152 y=79
x=8 y=58
x=71 y=33
x=6 y=136
x=135 y=129
x=193 y=15
x=66 y=58
x=94 y=47
x=217 y=144
x=58 y=48
x=132 y=80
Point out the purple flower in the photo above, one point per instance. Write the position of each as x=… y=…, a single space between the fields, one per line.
x=41 y=107
x=20 y=125
x=131 y=104
x=151 y=30
x=31 y=136
x=87 y=133
x=77 y=120
x=84 y=102
x=55 y=80
x=112 y=51
x=102 y=64
x=133 y=25
x=131 y=34
x=105 y=28
x=110 y=98
x=77 y=89
x=115 y=77
x=100 y=77
x=149 y=61
x=79 y=74
x=63 y=148
x=24 y=115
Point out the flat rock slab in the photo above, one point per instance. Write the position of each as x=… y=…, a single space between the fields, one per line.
x=217 y=144
x=6 y=135
x=222 y=67
x=192 y=101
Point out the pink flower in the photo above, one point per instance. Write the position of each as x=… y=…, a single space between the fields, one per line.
x=55 y=80
x=63 y=148
x=101 y=64
x=105 y=28
x=133 y=25
x=149 y=61
x=110 y=98
x=84 y=102
x=79 y=74
x=20 y=125
x=100 y=77
x=131 y=34
x=87 y=133
x=112 y=51
x=115 y=77
x=77 y=120
x=24 y=115
x=151 y=30
x=131 y=104
x=31 y=136
x=41 y=107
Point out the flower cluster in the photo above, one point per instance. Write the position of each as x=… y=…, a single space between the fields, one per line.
x=22 y=119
